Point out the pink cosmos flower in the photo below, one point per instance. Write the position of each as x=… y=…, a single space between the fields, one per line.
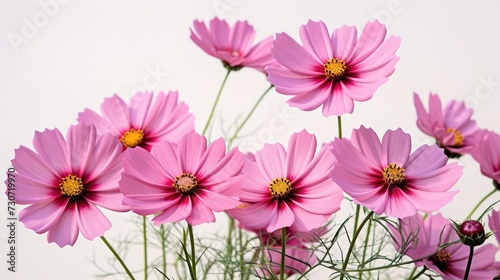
x=333 y=71
x=451 y=126
x=64 y=179
x=182 y=180
x=142 y=122
x=494 y=223
x=288 y=188
x=421 y=238
x=385 y=177
x=487 y=155
x=233 y=45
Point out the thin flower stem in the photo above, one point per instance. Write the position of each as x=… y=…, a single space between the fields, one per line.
x=412 y=273
x=248 y=117
x=420 y=273
x=193 y=251
x=186 y=254
x=469 y=262
x=229 y=248
x=163 y=250
x=283 y=248
x=479 y=204
x=363 y=258
x=117 y=257
x=353 y=241
x=145 y=241
x=339 y=125
x=215 y=103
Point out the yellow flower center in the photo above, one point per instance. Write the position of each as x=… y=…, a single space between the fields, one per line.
x=334 y=68
x=280 y=188
x=459 y=139
x=393 y=174
x=71 y=186
x=440 y=258
x=185 y=183
x=132 y=138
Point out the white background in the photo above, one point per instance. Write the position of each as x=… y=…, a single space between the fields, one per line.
x=76 y=53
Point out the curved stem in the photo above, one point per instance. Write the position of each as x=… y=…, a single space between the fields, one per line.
x=215 y=103
x=469 y=262
x=479 y=204
x=420 y=273
x=339 y=125
x=248 y=117
x=283 y=248
x=117 y=257
x=193 y=255
x=145 y=244
x=353 y=241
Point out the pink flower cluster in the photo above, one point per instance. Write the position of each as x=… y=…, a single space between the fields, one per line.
x=145 y=156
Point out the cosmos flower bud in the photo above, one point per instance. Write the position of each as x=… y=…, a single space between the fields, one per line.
x=471 y=233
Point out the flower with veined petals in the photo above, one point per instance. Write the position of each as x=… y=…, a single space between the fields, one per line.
x=418 y=238
x=185 y=180
x=64 y=179
x=142 y=122
x=333 y=71
x=233 y=45
x=487 y=155
x=288 y=188
x=385 y=177
x=451 y=126
x=298 y=257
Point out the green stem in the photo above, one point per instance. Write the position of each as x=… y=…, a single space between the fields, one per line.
x=283 y=252
x=117 y=257
x=163 y=249
x=479 y=204
x=353 y=241
x=363 y=258
x=193 y=255
x=469 y=262
x=248 y=117
x=419 y=274
x=145 y=244
x=186 y=254
x=229 y=247
x=215 y=103
x=339 y=125
x=412 y=273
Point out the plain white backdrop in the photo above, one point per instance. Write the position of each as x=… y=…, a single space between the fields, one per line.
x=59 y=57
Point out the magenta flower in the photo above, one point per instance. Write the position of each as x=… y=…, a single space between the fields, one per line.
x=494 y=223
x=64 y=180
x=386 y=178
x=421 y=238
x=451 y=126
x=333 y=71
x=183 y=180
x=233 y=45
x=288 y=188
x=142 y=122
x=486 y=154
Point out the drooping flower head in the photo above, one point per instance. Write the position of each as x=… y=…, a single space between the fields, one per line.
x=142 y=122
x=487 y=154
x=418 y=238
x=63 y=180
x=233 y=45
x=185 y=180
x=288 y=188
x=332 y=70
x=298 y=254
x=386 y=178
x=451 y=126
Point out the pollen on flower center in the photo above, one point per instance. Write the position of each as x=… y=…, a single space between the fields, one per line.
x=280 y=188
x=185 y=183
x=394 y=174
x=71 y=186
x=459 y=139
x=132 y=138
x=334 y=68
x=440 y=258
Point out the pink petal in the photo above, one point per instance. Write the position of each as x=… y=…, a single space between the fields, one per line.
x=368 y=143
x=397 y=146
x=81 y=141
x=140 y=163
x=308 y=101
x=32 y=165
x=200 y=214
x=305 y=221
x=175 y=213
x=316 y=40
x=343 y=42
x=294 y=57
x=215 y=201
x=90 y=117
x=116 y=111
x=106 y=159
x=91 y=221
x=51 y=145
x=29 y=190
x=138 y=109
x=270 y=160
x=337 y=102
x=42 y=217
x=166 y=153
x=291 y=83
x=300 y=152
x=65 y=230
x=284 y=217
x=190 y=149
